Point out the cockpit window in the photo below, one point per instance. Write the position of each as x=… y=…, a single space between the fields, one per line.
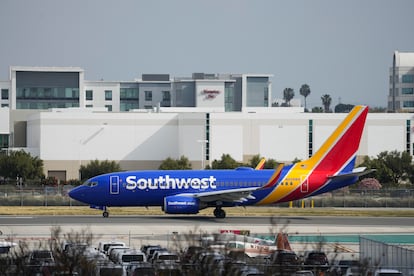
x=90 y=183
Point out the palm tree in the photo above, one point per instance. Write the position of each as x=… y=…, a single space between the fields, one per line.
x=305 y=91
x=288 y=95
x=326 y=102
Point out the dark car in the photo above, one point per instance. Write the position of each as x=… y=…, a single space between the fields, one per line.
x=284 y=257
x=316 y=259
x=283 y=261
x=190 y=252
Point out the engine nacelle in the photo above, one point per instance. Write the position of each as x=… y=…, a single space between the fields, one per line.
x=181 y=205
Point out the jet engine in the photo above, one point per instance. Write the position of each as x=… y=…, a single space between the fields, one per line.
x=179 y=204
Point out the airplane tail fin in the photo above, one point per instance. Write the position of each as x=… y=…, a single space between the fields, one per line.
x=334 y=161
x=261 y=164
x=282 y=242
x=338 y=153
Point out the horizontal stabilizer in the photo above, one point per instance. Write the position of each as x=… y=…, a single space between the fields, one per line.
x=360 y=171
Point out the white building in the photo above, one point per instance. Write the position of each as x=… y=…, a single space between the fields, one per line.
x=401 y=97
x=55 y=114
x=64 y=139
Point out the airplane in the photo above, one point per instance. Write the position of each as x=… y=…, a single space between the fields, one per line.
x=189 y=191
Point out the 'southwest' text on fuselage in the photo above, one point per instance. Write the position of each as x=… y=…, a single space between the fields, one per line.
x=167 y=182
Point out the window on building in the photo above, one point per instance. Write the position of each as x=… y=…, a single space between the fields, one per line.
x=407 y=91
x=4 y=140
x=408 y=103
x=5 y=94
x=129 y=93
x=257 y=91
x=89 y=106
x=4 y=105
x=166 y=96
x=109 y=107
x=166 y=99
x=148 y=95
x=407 y=78
x=108 y=95
x=89 y=95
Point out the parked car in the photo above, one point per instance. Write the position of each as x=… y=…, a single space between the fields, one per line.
x=387 y=272
x=339 y=267
x=130 y=255
x=167 y=262
x=40 y=257
x=283 y=261
x=316 y=259
x=303 y=273
x=104 y=245
x=189 y=252
x=140 y=269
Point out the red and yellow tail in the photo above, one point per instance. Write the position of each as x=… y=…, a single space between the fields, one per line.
x=336 y=157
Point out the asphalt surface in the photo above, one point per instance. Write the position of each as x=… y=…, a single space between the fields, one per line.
x=168 y=220
x=163 y=229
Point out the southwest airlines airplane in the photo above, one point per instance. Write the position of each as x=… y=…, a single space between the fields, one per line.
x=188 y=191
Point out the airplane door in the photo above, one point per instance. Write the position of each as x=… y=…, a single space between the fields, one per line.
x=304 y=188
x=114 y=185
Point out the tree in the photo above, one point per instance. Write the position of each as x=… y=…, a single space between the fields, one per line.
x=305 y=91
x=391 y=167
x=343 y=108
x=97 y=167
x=369 y=184
x=226 y=162
x=21 y=164
x=178 y=164
x=317 y=109
x=326 y=102
x=288 y=95
x=269 y=164
x=377 y=110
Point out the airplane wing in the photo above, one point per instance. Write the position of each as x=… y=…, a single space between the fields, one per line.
x=231 y=195
x=360 y=171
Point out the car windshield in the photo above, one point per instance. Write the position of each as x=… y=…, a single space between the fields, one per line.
x=317 y=256
x=168 y=257
x=132 y=258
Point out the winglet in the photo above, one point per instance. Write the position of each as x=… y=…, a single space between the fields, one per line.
x=275 y=177
x=261 y=164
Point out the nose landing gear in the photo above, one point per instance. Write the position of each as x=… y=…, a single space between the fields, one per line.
x=105 y=213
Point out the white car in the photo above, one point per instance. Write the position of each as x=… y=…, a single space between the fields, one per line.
x=387 y=272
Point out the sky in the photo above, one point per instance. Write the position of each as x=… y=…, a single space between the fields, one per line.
x=341 y=48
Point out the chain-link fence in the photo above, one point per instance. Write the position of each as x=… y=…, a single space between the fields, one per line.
x=16 y=195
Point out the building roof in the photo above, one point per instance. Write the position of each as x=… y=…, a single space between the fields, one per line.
x=404 y=59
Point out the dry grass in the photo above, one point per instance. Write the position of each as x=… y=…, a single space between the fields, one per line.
x=237 y=211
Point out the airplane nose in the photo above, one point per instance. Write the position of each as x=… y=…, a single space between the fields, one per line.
x=76 y=193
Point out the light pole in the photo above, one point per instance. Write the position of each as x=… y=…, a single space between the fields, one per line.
x=202 y=142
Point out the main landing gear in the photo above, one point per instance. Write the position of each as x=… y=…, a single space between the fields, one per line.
x=219 y=213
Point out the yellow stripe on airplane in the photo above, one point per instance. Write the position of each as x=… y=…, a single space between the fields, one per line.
x=301 y=170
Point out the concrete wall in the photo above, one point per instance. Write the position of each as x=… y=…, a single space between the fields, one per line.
x=65 y=139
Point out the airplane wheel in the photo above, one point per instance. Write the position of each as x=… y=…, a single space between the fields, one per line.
x=105 y=214
x=219 y=213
